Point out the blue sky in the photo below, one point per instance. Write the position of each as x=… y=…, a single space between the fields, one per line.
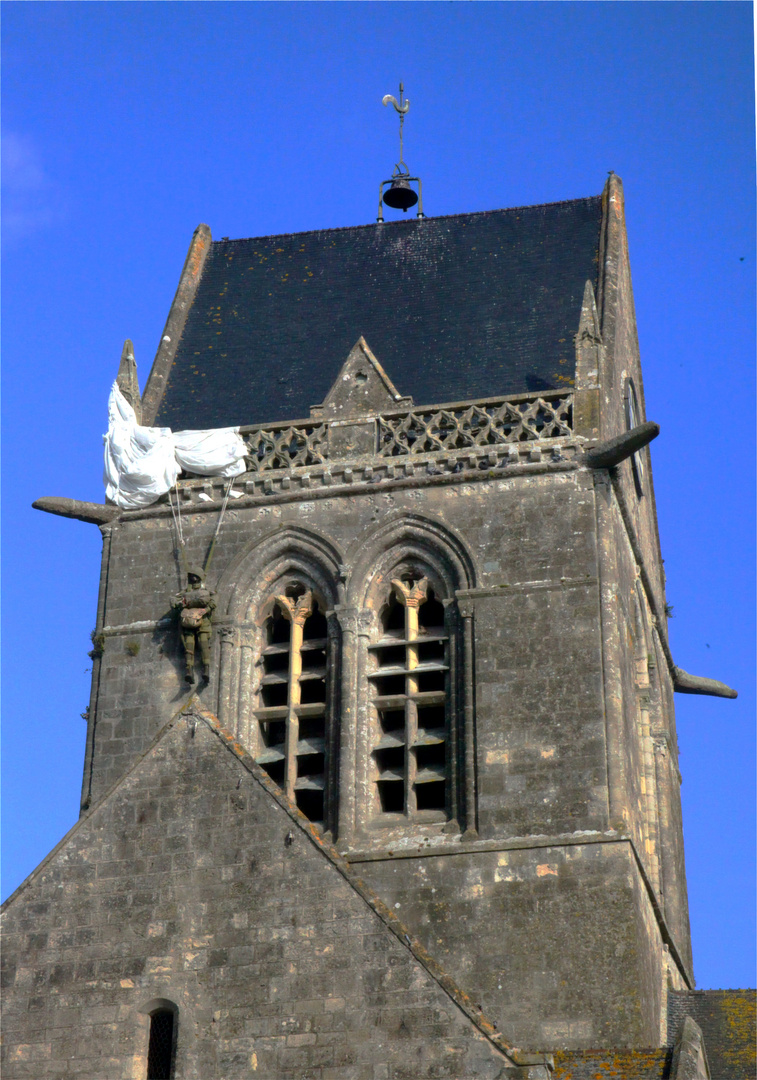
x=127 y=124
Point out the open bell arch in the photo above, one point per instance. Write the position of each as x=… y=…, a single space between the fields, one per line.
x=283 y=558
x=427 y=555
x=408 y=537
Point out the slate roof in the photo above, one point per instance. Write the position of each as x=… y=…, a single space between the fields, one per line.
x=727 y=1020
x=454 y=308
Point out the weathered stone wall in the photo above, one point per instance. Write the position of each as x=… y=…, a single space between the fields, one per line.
x=634 y=526
x=565 y=737
x=553 y=892
x=541 y=762
x=192 y=884
x=518 y=530
x=620 y=361
x=559 y=941
x=551 y=754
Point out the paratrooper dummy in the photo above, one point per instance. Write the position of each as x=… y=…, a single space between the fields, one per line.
x=196 y=606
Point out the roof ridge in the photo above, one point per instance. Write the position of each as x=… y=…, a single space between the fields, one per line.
x=428 y=218
x=94 y=807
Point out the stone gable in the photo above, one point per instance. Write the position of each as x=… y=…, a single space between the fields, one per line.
x=191 y=882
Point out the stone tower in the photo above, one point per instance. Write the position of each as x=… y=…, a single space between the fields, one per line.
x=425 y=811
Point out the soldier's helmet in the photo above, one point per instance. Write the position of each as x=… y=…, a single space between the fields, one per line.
x=195 y=572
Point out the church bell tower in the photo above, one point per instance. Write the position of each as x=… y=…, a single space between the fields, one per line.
x=438 y=704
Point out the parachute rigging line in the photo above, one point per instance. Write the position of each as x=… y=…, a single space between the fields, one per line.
x=179 y=531
x=218 y=526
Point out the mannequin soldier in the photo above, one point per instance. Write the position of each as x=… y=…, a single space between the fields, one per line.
x=196 y=606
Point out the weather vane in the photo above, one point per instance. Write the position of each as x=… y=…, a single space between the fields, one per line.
x=400 y=195
x=401 y=108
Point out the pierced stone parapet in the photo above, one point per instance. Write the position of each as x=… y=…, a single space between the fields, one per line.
x=486 y=423
x=286 y=446
x=435 y=429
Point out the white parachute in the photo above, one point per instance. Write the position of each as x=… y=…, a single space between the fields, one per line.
x=143 y=463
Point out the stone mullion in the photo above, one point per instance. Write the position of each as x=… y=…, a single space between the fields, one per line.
x=362 y=781
x=298 y=611
x=293 y=700
x=650 y=793
x=411 y=708
x=665 y=769
x=348 y=724
x=651 y=824
x=649 y=780
x=411 y=598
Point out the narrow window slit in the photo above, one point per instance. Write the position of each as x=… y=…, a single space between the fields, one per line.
x=392 y=720
x=429 y=681
x=311 y=805
x=431 y=651
x=160 y=1051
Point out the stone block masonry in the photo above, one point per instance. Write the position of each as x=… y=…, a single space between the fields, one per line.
x=192 y=883
x=551 y=618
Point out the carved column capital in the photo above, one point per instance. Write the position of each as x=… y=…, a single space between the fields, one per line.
x=296 y=610
x=411 y=596
x=229 y=635
x=347 y=618
x=353 y=621
x=364 y=623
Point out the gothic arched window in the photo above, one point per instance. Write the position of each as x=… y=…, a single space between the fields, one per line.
x=412 y=745
x=292 y=708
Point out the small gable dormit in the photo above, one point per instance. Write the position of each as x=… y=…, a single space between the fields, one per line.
x=361 y=388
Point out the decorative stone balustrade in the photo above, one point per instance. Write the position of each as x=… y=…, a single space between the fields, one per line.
x=427 y=430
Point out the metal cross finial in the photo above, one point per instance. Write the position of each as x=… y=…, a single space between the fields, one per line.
x=401 y=108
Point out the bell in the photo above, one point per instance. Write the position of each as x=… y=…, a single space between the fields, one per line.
x=400 y=195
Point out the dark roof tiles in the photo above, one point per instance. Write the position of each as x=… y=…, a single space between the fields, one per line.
x=454 y=308
x=727 y=1020
x=612 y=1064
